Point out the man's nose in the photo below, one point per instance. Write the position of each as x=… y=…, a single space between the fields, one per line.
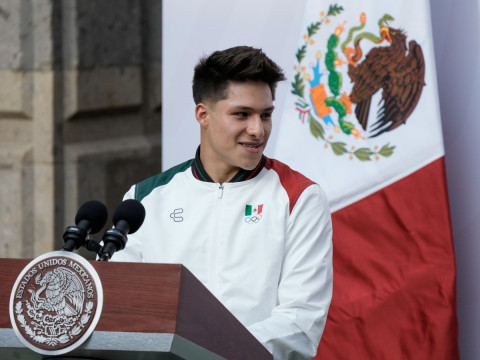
x=255 y=126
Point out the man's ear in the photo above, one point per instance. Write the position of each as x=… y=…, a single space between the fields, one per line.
x=201 y=114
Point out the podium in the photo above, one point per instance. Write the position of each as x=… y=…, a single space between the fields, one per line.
x=150 y=311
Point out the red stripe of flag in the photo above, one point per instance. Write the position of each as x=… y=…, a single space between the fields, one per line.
x=394 y=274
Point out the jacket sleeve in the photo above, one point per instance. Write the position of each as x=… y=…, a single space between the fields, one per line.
x=296 y=324
x=133 y=249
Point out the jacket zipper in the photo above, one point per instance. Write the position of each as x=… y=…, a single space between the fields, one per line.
x=212 y=279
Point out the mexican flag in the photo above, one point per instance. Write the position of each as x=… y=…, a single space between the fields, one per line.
x=362 y=119
x=253 y=210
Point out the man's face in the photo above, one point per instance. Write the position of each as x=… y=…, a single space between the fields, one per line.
x=235 y=131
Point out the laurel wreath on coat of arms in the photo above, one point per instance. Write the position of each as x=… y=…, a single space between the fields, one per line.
x=400 y=78
x=43 y=324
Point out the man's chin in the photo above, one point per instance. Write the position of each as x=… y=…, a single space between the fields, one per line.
x=252 y=164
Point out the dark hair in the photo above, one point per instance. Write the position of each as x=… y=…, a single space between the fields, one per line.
x=213 y=73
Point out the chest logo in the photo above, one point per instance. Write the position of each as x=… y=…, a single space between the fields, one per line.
x=253 y=214
x=176 y=215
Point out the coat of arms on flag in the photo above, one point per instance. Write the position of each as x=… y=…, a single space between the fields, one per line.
x=345 y=70
x=362 y=98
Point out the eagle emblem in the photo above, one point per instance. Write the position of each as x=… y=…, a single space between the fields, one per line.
x=378 y=64
x=60 y=292
x=397 y=71
x=56 y=303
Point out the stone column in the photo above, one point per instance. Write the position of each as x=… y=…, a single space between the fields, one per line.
x=80 y=109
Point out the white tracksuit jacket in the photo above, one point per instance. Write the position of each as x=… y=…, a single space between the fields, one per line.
x=262 y=246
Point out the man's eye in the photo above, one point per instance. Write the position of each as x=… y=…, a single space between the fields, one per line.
x=241 y=114
x=266 y=116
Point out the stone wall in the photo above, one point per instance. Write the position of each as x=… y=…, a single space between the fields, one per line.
x=80 y=107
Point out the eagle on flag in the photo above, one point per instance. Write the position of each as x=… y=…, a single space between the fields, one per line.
x=395 y=69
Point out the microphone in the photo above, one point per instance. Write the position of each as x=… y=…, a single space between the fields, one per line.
x=90 y=218
x=127 y=219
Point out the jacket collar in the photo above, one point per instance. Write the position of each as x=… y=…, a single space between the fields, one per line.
x=199 y=171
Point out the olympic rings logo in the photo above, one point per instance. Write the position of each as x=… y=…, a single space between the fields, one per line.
x=253 y=219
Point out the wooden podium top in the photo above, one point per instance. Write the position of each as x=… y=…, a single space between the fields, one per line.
x=155 y=310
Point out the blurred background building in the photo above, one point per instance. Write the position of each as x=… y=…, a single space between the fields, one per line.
x=80 y=105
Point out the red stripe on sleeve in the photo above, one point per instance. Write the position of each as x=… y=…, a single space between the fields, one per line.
x=292 y=181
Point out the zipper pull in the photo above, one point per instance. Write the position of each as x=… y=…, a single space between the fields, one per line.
x=220 y=191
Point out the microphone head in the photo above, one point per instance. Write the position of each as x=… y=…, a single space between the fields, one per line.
x=95 y=212
x=131 y=211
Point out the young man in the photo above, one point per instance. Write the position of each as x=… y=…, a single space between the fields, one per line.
x=256 y=233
